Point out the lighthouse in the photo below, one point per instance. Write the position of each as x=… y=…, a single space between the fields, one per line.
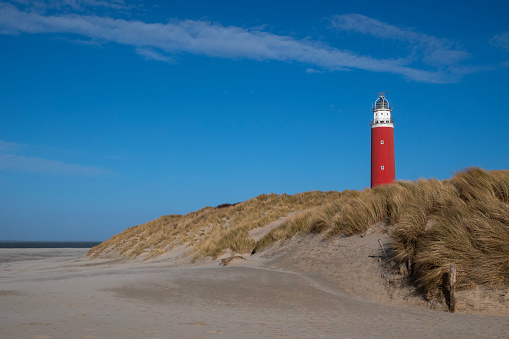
x=383 y=169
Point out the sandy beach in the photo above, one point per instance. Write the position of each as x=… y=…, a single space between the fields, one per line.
x=59 y=293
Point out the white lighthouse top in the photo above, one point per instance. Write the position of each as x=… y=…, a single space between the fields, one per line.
x=382 y=112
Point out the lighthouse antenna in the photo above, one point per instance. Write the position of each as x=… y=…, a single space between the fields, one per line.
x=382 y=93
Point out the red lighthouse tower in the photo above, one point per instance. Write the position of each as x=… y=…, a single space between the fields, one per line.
x=382 y=143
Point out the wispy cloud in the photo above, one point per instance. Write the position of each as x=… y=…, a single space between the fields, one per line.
x=431 y=50
x=85 y=42
x=156 y=41
x=8 y=146
x=10 y=161
x=314 y=71
x=150 y=54
x=13 y=162
x=79 y=5
x=501 y=40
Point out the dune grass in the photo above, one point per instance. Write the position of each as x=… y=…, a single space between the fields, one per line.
x=462 y=221
x=210 y=231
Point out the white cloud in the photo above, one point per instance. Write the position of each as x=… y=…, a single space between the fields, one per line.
x=313 y=71
x=150 y=54
x=13 y=162
x=501 y=40
x=431 y=50
x=93 y=43
x=8 y=146
x=156 y=40
x=42 y=6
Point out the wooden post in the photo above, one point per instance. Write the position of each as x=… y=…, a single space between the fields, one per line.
x=383 y=249
x=452 y=287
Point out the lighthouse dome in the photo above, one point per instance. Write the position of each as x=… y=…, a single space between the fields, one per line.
x=382 y=103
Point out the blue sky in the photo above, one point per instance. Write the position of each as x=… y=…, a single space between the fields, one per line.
x=113 y=113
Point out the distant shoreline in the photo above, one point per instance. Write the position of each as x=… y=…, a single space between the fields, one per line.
x=48 y=244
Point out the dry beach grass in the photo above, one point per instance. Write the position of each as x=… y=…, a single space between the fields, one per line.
x=210 y=231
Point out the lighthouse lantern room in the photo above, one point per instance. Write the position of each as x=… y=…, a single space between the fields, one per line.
x=382 y=143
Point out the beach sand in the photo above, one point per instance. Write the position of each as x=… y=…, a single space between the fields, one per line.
x=62 y=294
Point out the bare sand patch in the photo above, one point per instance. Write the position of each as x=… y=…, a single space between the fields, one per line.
x=259 y=232
x=64 y=297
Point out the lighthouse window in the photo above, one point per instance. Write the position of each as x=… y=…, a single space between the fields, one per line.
x=382 y=168
x=381 y=142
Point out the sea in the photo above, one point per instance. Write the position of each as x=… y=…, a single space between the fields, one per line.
x=48 y=244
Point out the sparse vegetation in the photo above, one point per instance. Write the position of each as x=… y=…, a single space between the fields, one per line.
x=462 y=221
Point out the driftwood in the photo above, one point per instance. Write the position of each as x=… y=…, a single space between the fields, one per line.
x=231 y=260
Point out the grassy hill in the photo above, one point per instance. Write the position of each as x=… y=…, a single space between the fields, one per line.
x=210 y=231
x=462 y=221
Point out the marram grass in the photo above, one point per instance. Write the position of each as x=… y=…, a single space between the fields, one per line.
x=210 y=231
x=462 y=221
